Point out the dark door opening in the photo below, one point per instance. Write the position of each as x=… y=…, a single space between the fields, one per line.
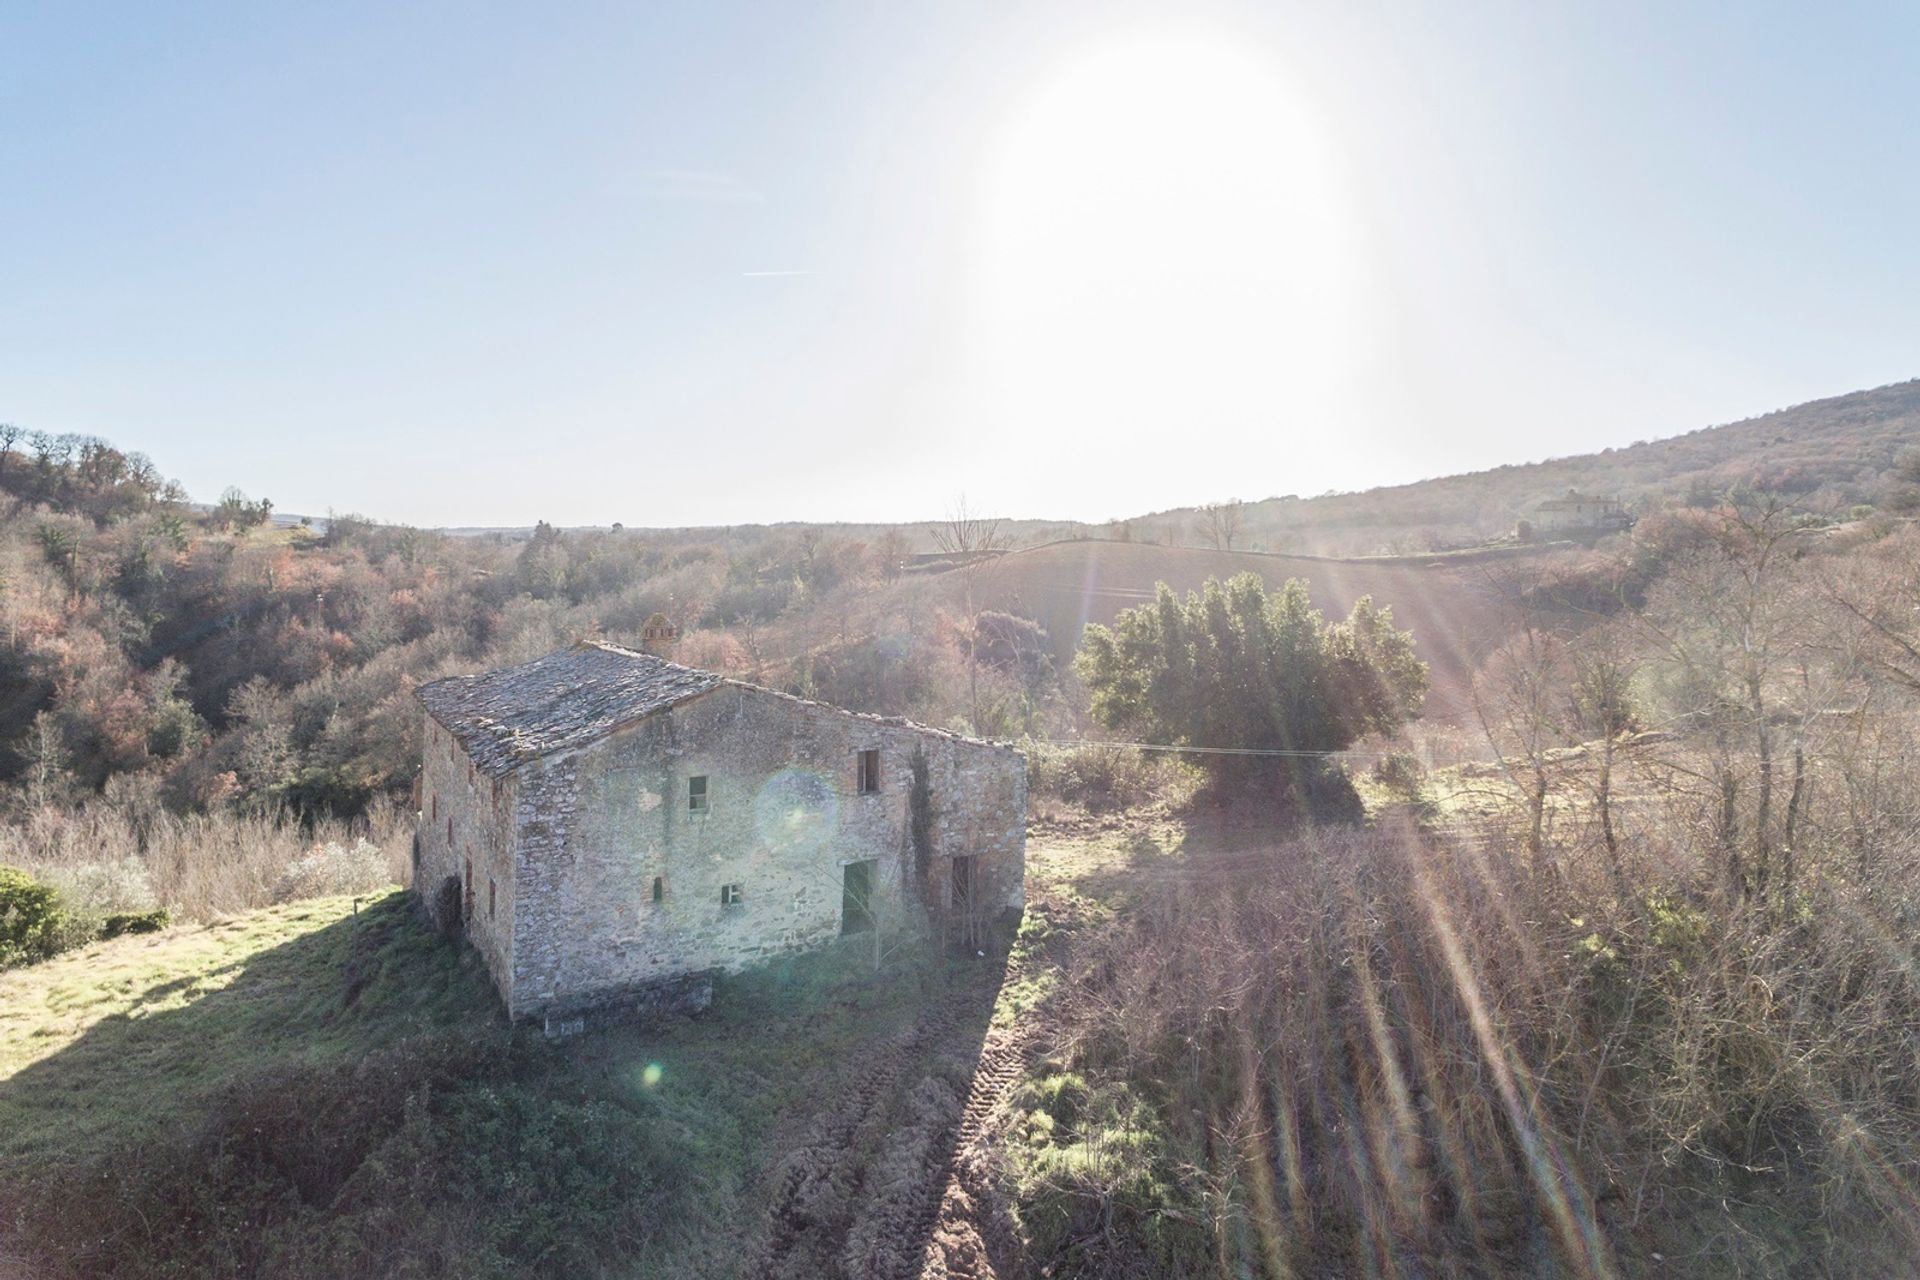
x=963 y=885
x=856 y=897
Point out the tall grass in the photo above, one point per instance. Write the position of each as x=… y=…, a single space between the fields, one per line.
x=107 y=857
x=1383 y=1054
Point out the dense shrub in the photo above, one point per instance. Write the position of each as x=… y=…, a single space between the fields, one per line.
x=33 y=925
x=1384 y=1038
x=335 y=868
x=1262 y=679
x=121 y=922
x=1102 y=776
x=1399 y=771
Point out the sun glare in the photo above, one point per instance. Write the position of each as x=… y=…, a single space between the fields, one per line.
x=1162 y=238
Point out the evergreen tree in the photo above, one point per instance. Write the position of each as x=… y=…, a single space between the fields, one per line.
x=1235 y=666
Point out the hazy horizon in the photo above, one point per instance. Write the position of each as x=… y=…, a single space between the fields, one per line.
x=1077 y=262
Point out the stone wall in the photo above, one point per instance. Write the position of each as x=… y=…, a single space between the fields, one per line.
x=784 y=817
x=465 y=814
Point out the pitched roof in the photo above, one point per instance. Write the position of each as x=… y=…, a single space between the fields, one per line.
x=567 y=699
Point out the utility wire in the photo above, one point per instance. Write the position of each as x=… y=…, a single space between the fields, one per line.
x=1205 y=751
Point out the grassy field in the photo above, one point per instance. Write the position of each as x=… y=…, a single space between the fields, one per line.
x=309 y=1091
x=103 y=1044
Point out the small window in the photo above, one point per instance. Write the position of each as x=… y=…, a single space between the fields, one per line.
x=729 y=895
x=449 y=831
x=697 y=794
x=867 y=771
x=659 y=890
x=492 y=897
x=436 y=809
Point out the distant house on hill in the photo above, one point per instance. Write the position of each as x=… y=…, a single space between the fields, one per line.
x=605 y=824
x=1578 y=513
x=658 y=635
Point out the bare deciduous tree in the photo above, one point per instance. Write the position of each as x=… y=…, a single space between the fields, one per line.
x=1730 y=625
x=1602 y=665
x=972 y=541
x=1220 y=523
x=892 y=549
x=1519 y=700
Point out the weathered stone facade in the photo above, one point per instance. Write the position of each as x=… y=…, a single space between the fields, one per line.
x=712 y=829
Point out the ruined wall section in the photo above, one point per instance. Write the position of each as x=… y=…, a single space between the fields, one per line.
x=784 y=815
x=466 y=815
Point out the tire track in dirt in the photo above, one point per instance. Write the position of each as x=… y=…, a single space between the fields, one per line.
x=896 y=1180
x=965 y=1224
x=960 y=1219
x=846 y=1199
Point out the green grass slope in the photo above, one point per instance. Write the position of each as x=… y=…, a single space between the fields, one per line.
x=307 y=1091
x=104 y=1044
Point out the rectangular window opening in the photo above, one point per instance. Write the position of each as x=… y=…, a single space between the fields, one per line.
x=856 y=897
x=659 y=890
x=697 y=794
x=492 y=897
x=730 y=895
x=867 y=771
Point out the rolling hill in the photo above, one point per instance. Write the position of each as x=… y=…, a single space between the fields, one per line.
x=1826 y=454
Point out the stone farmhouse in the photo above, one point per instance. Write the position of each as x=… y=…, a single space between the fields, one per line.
x=605 y=824
x=1578 y=512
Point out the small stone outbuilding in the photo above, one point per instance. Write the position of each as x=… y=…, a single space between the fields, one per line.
x=606 y=823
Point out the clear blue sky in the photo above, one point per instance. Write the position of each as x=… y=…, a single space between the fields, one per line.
x=464 y=264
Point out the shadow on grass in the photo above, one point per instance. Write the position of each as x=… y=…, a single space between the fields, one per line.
x=139 y=1068
x=349 y=1101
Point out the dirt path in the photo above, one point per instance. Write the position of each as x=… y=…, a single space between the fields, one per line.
x=855 y=1197
x=964 y=1227
x=894 y=1180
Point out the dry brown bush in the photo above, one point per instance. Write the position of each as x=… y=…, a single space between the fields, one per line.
x=106 y=857
x=1380 y=1053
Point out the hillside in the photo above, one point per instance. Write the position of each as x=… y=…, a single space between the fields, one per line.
x=1449 y=605
x=1826 y=454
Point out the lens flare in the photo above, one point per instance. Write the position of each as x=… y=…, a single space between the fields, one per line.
x=797 y=811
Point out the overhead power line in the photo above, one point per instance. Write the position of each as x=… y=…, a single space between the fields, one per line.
x=1211 y=751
